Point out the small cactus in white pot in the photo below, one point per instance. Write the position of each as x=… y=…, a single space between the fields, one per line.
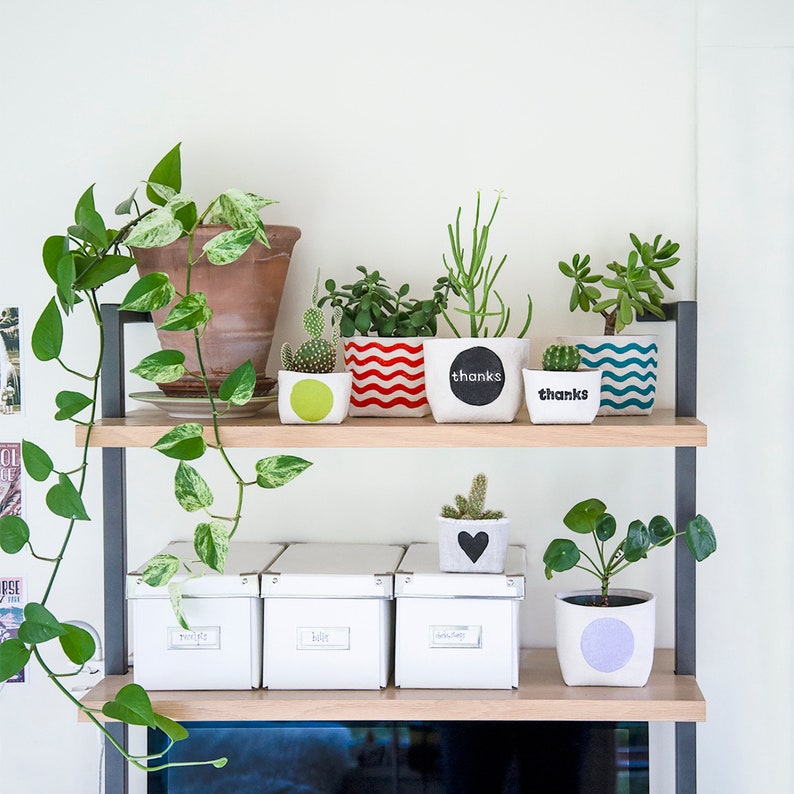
x=310 y=392
x=471 y=538
x=562 y=392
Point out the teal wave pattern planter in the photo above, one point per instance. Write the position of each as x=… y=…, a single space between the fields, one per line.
x=628 y=365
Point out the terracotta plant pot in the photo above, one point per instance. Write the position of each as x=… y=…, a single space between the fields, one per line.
x=244 y=296
x=605 y=646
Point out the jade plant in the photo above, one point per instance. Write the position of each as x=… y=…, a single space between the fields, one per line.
x=90 y=254
x=316 y=354
x=370 y=307
x=590 y=517
x=561 y=358
x=473 y=279
x=636 y=284
x=472 y=507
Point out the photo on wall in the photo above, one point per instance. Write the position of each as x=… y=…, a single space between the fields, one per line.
x=12 y=605
x=10 y=369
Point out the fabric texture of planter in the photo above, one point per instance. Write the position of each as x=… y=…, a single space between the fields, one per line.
x=562 y=398
x=388 y=376
x=475 y=380
x=628 y=365
x=466 y=546
x=312 y=398
x=605 y=646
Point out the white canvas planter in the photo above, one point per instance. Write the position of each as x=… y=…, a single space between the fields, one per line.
x=388 y=376
x=562 y=398
x=475 y=380
x=310 y=398
x=605 y=646
x=472 y=546
x=628 y=365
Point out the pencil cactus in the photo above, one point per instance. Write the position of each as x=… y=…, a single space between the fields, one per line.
x=561 y=358
x=315 y=355
x=472 y=508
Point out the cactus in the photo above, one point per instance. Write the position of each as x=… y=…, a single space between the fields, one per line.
x=316 y=355
x=473 y=507
x=561 y=358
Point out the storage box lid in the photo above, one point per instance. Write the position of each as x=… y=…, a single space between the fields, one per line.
x=420 y=576
x=244 y=564
x=333 y=570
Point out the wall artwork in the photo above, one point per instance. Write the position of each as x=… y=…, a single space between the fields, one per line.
x=12 y=605
x=10 y=371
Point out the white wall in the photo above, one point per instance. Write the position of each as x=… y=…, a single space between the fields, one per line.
x=372 y=122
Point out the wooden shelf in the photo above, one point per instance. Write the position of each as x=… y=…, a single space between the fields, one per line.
x=142 y=428
x=541 y=695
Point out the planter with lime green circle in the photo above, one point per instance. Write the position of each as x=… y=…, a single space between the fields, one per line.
x=311 y=398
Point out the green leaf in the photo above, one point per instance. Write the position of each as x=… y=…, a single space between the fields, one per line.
x=229 y=246
x=637 y=542
x=278 y=470
x=65 y=275
x=184 y=442
x=160 y=570
x=560 y=555
x=53 y=250
x=104 y=269
x=605 y=527
x=661 y=531
x=191 y=489
x=238 y=386
x=77 y=644
x=155 y=230
x=47 y=337
x=36 y=461
x=131 y=705
x=173 y=730
x=13 y=657
x=241 y=211
x=167 y=172
x=14 y=534
x=175 y=596
x=191 y=312
x=583 y=516
x=125 y=207
x=211 y=541
x=700 y=538
x=64 y=500
x=149 y=293
x=40 y=625
x=70 y=403
x=89 y=227
x=164 y=366
x=85 y=202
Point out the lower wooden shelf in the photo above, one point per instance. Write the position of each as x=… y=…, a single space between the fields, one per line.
x=541 y=696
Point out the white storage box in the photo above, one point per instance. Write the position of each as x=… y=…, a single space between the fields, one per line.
x=329 y=616
x=457 y=630
x=223 y=650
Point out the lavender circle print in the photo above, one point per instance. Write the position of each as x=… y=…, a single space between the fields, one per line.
x=607 y=645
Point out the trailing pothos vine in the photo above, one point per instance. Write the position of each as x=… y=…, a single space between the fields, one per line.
x=80 y=262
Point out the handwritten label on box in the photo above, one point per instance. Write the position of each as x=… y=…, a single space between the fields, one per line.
x=205 y=638
x=327 y=638
x=456 y=636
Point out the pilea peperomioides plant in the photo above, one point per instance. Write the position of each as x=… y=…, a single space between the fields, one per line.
x=590 y=517
x=635 y=283
x=87 y=256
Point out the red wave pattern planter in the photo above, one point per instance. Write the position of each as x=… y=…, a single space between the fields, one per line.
x=388 y=376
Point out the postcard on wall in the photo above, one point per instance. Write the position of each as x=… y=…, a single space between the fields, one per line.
x=10 y=368
x=10 y=478
x=12 y=605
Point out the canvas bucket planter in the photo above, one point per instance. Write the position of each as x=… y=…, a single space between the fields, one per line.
x=475 y=380
x=466 y=546
x=562 y=397
x=628 y=365
x=311 y=398
x=605 y=646
x=388 y=376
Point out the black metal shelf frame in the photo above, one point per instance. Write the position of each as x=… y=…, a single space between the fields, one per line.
x=683 y=313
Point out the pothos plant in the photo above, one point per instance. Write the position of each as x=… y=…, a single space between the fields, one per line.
x=90 y=254
x=473 y=279
x=635 y=285
x=590 y=517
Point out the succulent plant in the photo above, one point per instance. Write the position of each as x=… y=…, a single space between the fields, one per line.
x=472 y=508
x=316 y=354
x=561 y=358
